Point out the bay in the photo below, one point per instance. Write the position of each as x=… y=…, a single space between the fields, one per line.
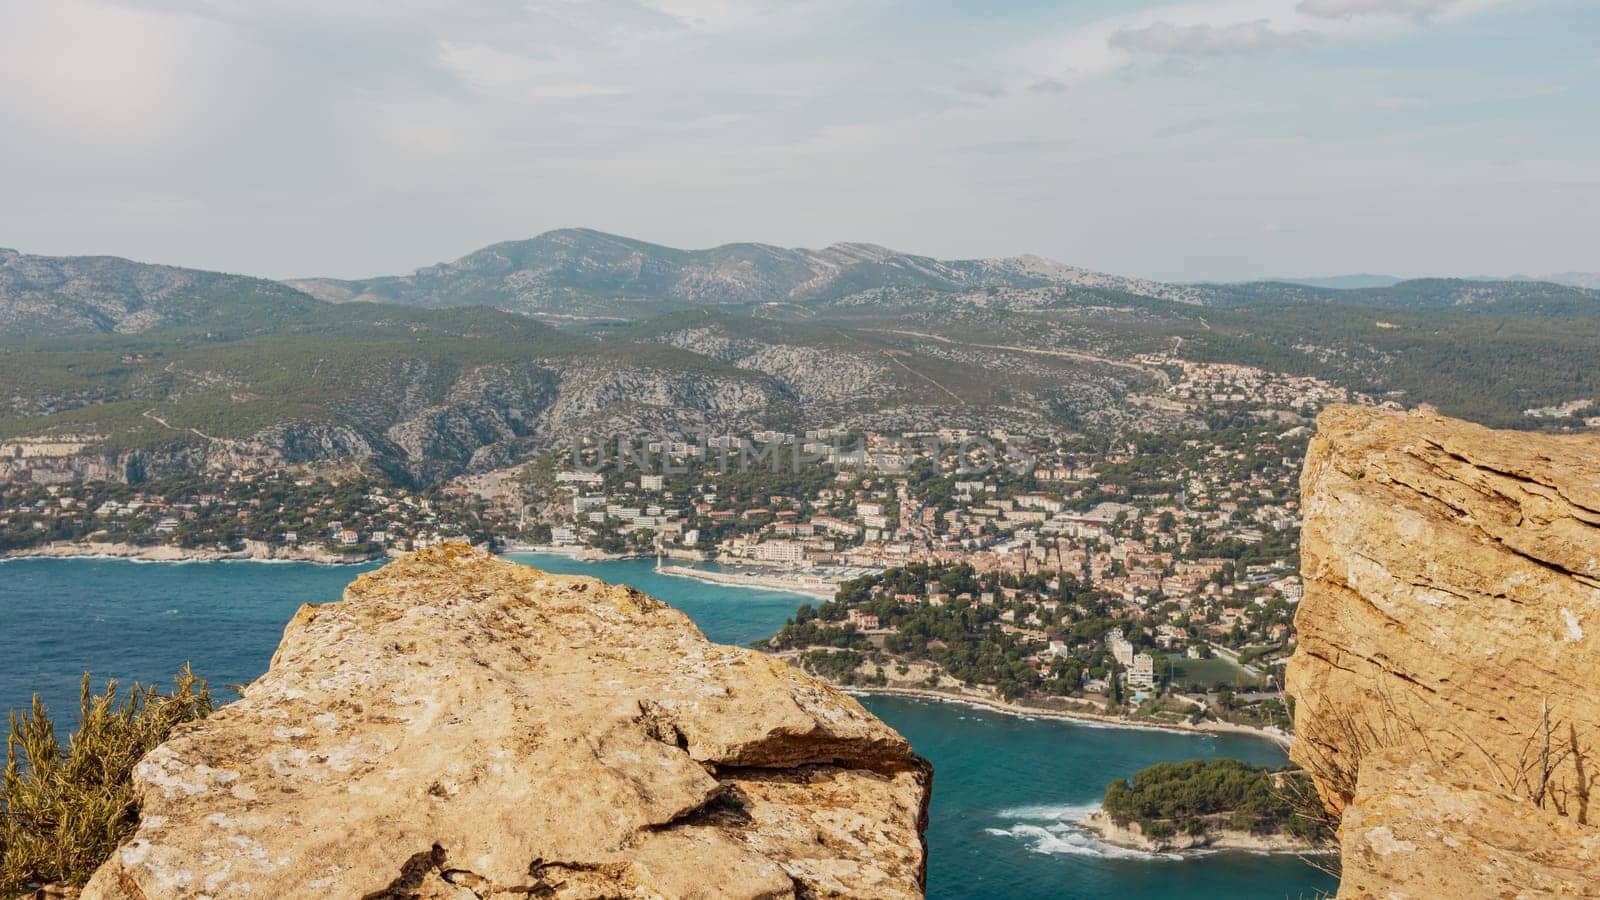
x=1003 y=786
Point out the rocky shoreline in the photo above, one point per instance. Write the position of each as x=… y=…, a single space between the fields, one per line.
x=256 y=551
x=1131 y=837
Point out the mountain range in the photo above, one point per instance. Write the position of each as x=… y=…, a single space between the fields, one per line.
x=579 y=274
x=1588 y=280
x=578 y=269
x=49 y=295
x=476 y=364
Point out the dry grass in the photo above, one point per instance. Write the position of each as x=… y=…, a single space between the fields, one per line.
x=1531 y=775
x=64 y=810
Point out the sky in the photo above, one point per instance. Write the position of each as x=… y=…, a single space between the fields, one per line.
x=1212 y=139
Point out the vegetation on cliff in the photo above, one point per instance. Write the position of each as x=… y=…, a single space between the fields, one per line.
x=64 y=810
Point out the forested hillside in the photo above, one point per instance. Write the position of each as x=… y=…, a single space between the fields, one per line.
x=149 y=369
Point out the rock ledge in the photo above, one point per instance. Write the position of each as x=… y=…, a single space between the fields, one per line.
x=463 y=727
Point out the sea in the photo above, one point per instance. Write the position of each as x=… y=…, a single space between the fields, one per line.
x=1006 y=788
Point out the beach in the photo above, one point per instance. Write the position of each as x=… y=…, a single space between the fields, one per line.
x=590 y=554
x=988 y=701
x=819 y=588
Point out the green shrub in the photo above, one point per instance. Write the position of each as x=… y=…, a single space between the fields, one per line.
x=63 y=811
x=837 y=665
x=1218 y=792
x=1156 y=829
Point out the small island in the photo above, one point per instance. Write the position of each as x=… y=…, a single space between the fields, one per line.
x=1219 y=804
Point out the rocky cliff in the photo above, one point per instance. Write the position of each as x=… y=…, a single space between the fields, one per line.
x=1449 y=641
x=462 y=727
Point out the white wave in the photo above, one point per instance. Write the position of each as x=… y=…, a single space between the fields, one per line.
x=290 y=562
x=26 y=557
x=141 y=561
x=1050 y=812
x=1064 y=839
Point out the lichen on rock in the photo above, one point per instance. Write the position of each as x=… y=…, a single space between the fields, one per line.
x=460 y=726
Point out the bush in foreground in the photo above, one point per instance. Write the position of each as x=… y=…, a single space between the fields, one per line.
x=64 y=810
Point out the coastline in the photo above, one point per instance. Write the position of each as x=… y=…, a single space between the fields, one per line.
x=1085 y=717
x=581 y=554
x=1130 y=837
x=775 y=581
x=818 y=589
x=254 y=551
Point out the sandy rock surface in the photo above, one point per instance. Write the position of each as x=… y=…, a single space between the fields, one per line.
x=1451 y=619
x=460 y=726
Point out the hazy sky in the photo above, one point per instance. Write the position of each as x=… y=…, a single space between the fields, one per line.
x=1205 y=139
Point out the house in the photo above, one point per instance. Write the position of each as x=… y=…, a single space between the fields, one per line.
x=863 y=621
x=1142 y=674
x=1121 y=648
x=787 y=552
x=836 y=526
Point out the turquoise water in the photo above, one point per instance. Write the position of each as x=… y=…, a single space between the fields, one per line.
x=1002 y=786
x=1002 y=783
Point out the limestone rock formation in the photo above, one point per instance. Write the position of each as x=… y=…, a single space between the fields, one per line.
x=1449 y=641
x=462 y=727
x=1414 y=831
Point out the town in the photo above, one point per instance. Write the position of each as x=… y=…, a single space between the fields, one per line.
x=248 y=514
x=1151 y=573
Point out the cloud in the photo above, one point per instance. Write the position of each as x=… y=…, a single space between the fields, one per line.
x=705 y=13
x=1206 y=40
x=362 y=136
x=1349 y=9
x=980 y=87
x=516 y=77
x=80 y=72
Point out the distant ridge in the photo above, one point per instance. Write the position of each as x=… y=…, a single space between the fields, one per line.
x=1586 y=280
x=54 y=295
x=1346 y=282
x=579 y=274
x=467 y=366
x=576 y=269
